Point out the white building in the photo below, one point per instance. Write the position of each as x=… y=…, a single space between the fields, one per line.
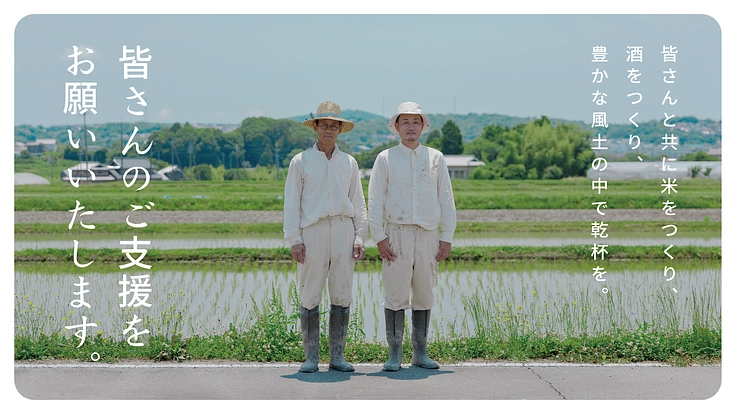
x=460 y=166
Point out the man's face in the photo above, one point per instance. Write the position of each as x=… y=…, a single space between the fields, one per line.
x=409 y=127
x=327 y=130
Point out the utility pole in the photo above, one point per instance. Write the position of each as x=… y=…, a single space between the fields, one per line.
x=86 y=160
x=237 y=157
x=122 y=146
x=276 y=159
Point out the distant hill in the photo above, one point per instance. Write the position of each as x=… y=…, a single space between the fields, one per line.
x=350 y=114
x=371 y=130
x=104 y=133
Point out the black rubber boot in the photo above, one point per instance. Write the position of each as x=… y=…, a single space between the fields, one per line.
x=339 y=319
x=420 y=324
x=394 y=337
x=310 y=337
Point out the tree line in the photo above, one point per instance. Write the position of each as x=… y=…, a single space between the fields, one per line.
x=538 y=149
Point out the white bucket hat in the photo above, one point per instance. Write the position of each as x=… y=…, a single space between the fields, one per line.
x=408 y=108
x=329 y=110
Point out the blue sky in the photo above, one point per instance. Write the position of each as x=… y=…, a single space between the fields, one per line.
x=224 y=68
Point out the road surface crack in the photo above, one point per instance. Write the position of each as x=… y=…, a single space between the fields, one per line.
x=549 y=383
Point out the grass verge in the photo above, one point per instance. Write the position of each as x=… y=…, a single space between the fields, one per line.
x=576 y=228
x=274 y=336
x=460 y=254
x=574 y=193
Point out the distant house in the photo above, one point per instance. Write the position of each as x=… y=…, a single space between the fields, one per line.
x=460 y=166
x=128 y=162
x=714 y=152
x=19 y=147
x=89 y=172
x=172 y=172
x=40 y=145
x=48 y=144
x=121 y=165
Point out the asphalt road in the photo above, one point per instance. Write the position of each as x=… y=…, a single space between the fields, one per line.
x=241 y=381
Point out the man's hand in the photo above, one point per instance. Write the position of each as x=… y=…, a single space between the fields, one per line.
x=299 y=252
x=358 y=252
x=385 y=251
x=443 y=252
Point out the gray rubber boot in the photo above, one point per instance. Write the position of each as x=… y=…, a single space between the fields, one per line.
x=420 y=323
x=339 y=319
x=310 y=337
x=394 y=337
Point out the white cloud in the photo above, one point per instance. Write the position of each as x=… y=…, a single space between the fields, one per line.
x=165 y=114
x=255 y=113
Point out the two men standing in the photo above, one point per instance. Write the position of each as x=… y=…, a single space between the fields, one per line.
x=409 y=190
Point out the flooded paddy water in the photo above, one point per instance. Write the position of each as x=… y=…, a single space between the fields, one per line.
x=532 y=297
x=526 y=297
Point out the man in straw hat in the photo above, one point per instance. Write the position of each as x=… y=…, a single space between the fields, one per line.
x=325 y=223
x=410 y=191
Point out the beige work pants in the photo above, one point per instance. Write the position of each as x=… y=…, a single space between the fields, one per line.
x=329 y=251
x=408 y=281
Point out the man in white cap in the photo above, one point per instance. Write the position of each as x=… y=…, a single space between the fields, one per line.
x=325 y=223
x=410 y=191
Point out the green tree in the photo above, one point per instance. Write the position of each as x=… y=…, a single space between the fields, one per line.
x=266 y=157
x=695 y=170
x=434 y=139
x=485 y=172
x=452 y=140
x=198 y=172
x=366 y=159
x=699 y=156
x=552 y=172
x=563 y=145
x=100 y=155
x=514 y=172
x=487 y=147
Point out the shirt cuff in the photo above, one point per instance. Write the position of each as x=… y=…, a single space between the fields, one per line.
x=358 y=240
x=379 y=236
x=294 y=240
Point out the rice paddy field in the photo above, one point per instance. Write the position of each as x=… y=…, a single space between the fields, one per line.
x=510 y=291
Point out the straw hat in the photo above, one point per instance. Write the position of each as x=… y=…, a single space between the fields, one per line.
x=329 y=110
x=408 y=108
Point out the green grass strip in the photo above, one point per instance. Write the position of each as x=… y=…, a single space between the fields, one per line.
x=460 y=254
x=268 y=342
x=574 y=193
x=581 y=228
